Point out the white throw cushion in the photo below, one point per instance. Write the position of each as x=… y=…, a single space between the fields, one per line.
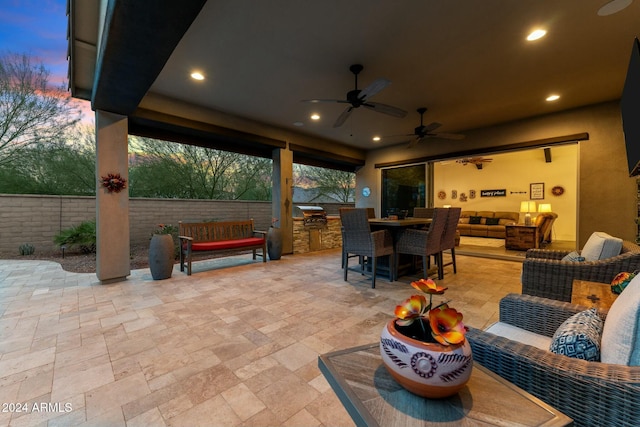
x=621 y=334
x=520 y=335
x=601 y=246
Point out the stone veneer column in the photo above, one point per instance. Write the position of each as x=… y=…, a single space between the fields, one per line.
x=112 y=209
x=282 y=195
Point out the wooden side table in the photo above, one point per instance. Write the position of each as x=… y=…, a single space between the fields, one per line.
x=520 y=237
x=592 y=294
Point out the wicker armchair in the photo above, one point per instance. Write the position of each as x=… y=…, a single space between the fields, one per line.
x=358 y=239
x=424 y=243
x=544 y=274
x=592 y=393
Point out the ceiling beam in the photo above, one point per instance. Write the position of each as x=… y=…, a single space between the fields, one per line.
x=538 y=143
x=138 y=39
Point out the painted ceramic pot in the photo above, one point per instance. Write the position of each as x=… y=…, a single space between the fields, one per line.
x=427 y=369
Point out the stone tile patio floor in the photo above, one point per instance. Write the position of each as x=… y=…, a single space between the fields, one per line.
x=235 y=344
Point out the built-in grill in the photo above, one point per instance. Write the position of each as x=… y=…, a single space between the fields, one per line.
x=313 y=216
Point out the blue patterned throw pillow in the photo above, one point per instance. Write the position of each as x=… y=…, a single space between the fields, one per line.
x=579 y=336
x=573 y=256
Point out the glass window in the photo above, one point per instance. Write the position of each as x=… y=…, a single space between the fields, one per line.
x=403 y=188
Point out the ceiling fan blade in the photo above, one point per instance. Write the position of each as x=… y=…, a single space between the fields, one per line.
x=386 y=109
x=414 y=142
x=374 y=88
x=400 y=134
x=431 y=127
x=317 y=101
x=455 y=136
x=343 y=117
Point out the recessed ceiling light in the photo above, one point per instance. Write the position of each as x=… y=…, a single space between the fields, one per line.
x=376 y=138
x=197 y=75
x=613 y=6
x=315 y=116
x=553 y=98
x=536 y=34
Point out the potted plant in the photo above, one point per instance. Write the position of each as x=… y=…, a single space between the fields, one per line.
x=424 y=347
x=274 y=240
x=162 y=251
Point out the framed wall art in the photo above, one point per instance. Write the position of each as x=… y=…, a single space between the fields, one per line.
x=536 y=191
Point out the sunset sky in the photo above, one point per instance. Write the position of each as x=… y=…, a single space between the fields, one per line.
x=38 y=28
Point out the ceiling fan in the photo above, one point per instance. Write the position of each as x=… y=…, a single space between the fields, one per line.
x=423 y=132
x=478 y=161
x=360 y=98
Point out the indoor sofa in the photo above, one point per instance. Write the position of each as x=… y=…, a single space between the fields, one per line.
x=486 y=223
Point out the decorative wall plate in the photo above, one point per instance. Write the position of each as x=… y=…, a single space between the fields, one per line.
x=442 y=195
x=557 y=190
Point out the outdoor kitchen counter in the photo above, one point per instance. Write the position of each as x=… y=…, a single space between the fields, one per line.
x=309 y=239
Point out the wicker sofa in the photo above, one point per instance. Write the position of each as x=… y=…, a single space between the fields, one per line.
x=545 y=274
x=592 y=393
x=486 y=223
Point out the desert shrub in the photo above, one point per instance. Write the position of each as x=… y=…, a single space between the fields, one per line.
x=27 y=249
x=82 y=236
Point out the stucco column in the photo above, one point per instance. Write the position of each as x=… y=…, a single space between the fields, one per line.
x=282 y=195
x=112 y=209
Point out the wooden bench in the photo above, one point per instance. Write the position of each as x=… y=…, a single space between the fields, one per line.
x=219 y=236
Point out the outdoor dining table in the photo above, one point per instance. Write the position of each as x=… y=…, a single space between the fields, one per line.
x=406 y=263
x=399 y=223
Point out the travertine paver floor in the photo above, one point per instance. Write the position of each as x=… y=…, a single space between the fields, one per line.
x=234 y=344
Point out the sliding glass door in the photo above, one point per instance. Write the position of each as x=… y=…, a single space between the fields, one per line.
x=404 y=188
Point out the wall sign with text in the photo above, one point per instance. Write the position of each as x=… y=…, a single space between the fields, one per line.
x=493 y=193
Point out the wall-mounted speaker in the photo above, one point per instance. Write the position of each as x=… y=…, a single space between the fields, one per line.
x=547 y=155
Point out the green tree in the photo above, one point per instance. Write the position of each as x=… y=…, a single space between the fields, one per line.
x=336 y=184
x=54 y=168
x=31 y=112
x=172 y=170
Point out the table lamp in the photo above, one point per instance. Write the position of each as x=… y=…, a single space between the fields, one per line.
x=527 y=207
x=544 y=207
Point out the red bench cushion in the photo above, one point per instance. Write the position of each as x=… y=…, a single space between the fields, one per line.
x=227 y=244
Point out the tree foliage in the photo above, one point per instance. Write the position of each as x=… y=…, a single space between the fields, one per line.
x=171 y=170
x=335 y=184
x=31 y=112
x=65 y=167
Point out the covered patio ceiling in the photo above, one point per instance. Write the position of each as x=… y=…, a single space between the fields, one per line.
x=468 y=62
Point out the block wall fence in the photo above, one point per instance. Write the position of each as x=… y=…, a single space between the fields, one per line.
x=36 y=219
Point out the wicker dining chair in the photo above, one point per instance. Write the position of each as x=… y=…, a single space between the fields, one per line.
x=449 y=238
x=371 y=213
x=424 y=243
x=359 y=240
x=423 y=212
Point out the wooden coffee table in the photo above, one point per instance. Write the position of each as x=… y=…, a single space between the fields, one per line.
x=373 y=398
x=592 y=294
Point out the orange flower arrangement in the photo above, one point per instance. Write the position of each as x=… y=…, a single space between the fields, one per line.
x=444 y=321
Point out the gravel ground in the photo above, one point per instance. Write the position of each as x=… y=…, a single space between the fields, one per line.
x=78 y=262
